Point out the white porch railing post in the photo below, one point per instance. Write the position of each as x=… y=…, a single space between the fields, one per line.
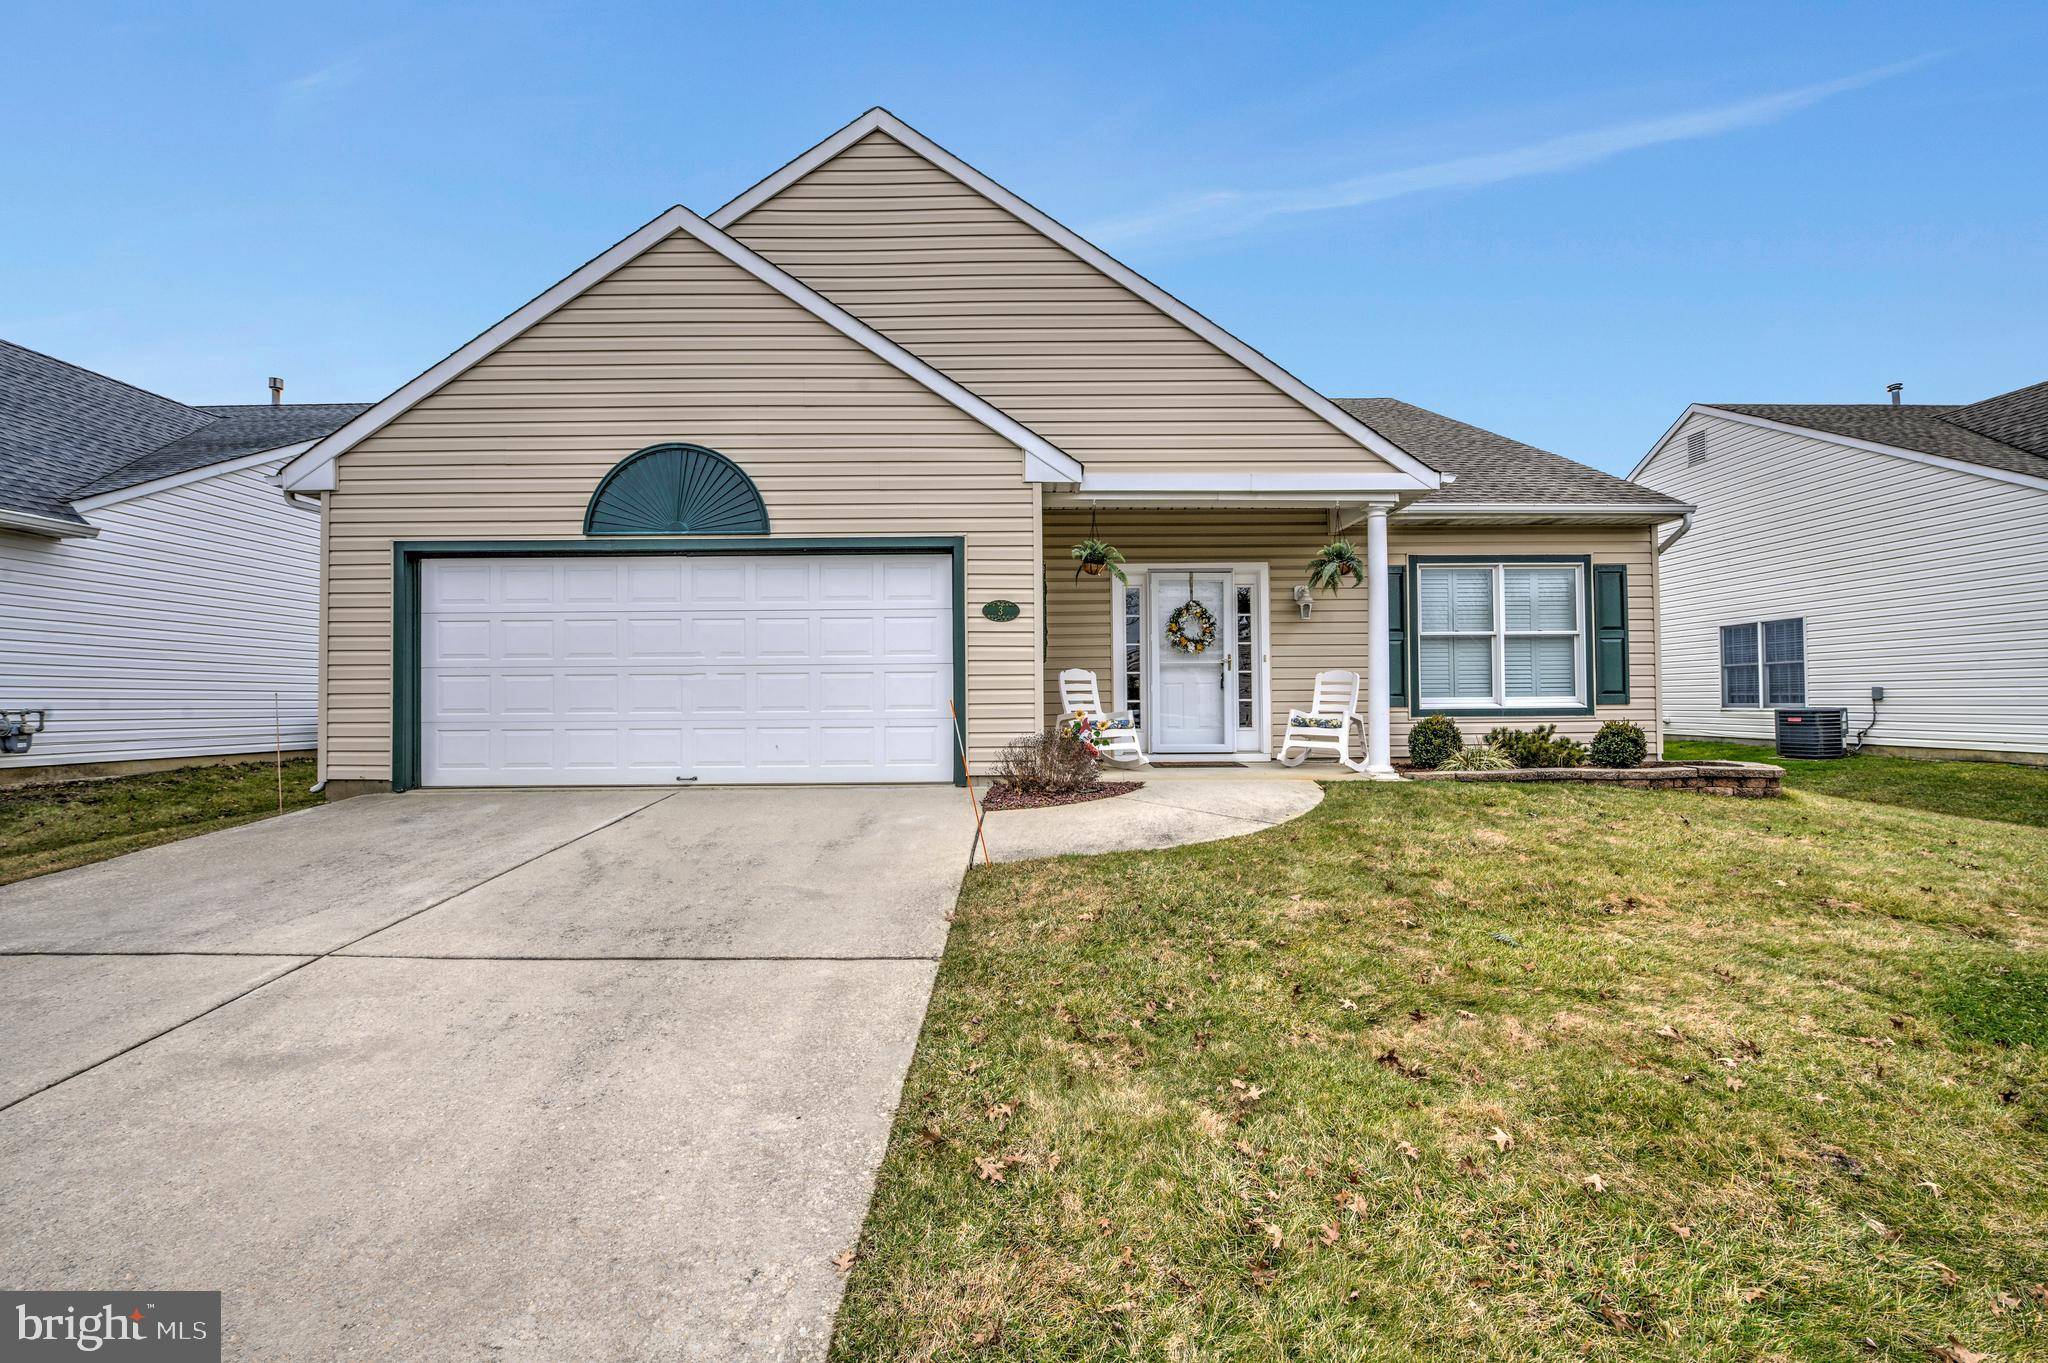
x=1378 y=706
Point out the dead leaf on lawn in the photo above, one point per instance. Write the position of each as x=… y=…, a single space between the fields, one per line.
x=1948 y=1276
x=1751 y=1294
x=1734 y=1084
x=1389 y=1059
x=1502 y=1141
x=1001 y=1112
x=1930 y=1186
x=1593 y=1183
x=1954 y=1352
x=1468 y=1015
x=1407 y=1152
x=1274 y=1235
x=1682 y=1232
x=843 y=1261
x=1330 y=1233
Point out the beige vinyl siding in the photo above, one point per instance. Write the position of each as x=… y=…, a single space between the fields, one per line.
x=1633 y=548
x=972 y=289
x=1079 y=613
x=1930 y=582
x=679 y=344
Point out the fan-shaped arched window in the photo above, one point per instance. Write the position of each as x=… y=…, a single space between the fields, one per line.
x=676 y=490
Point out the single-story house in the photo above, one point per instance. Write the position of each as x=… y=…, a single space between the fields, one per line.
x=160 y=597
x=1844 y=551
x=772 y=495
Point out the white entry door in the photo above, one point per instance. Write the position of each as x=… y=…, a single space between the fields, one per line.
x=1192 y=698
x=654 y=669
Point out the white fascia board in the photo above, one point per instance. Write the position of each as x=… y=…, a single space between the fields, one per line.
x=1200 y=498
x=1850 y=442
x=53 y=527
x=881 y=120
x=313 y=470
x=1332 y=484
x=1654 y=511
x=256 y=459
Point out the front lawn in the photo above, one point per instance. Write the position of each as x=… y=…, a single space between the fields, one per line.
x=50 y=828
x=1982 y=790
x=1484 y=1072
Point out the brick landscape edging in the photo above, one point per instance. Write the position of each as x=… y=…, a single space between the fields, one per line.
x=1750 y=780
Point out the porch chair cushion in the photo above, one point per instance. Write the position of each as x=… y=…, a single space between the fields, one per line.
x=1299 y=719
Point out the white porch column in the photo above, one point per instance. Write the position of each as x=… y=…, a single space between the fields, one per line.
x=1378 y=725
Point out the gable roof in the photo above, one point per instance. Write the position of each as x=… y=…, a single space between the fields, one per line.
x=1496 y=472
x=881 y=121
x=2018 y=418
x=62 y=427
x=67 y=432
x=1043 y=461
x=1924 y=428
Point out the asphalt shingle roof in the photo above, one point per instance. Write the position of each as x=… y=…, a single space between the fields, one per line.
x=67 y=432
x=62 y=427
x=1492 y=469
x=235 y=431
x=1989 y=433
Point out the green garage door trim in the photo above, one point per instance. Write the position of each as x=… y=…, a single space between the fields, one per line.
x=407 y=555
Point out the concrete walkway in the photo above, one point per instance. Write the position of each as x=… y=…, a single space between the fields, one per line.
x=1166 y=813
x=524 y=1075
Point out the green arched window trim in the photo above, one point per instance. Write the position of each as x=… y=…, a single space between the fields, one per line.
x=676 y=489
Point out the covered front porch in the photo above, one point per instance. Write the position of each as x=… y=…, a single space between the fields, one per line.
x=1222 y=709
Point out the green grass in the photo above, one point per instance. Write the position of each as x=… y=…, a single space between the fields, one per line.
x=50 y=828
x=1980 y=790
x=1767 y=1074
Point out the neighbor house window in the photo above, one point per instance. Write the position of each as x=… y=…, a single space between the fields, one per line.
x=1763 y=664
x=1510 y=635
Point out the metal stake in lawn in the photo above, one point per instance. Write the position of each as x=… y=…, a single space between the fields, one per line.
x=960 y=739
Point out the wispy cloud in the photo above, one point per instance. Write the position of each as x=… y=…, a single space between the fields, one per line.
x=322 y=81
x=1223 y=212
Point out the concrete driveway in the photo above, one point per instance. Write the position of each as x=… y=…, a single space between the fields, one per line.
x=521 y=1075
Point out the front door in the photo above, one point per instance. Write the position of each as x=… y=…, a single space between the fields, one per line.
x=1193 y=694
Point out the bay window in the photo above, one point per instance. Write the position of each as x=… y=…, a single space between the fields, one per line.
x=1509 y=636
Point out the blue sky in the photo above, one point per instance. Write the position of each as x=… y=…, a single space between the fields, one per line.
x=1560 y=222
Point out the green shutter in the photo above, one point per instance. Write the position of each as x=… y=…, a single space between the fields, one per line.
x=1610 y=633
x=1397 y=637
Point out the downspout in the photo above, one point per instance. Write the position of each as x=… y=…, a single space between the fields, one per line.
x=303 y=501
x=1684 y=524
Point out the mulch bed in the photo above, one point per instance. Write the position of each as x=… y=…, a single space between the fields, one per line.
x=1001 y=796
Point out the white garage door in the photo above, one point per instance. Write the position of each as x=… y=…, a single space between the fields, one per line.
x=650 y=670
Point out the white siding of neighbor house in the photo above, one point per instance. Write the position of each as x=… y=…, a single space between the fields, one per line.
x=169 y=634
x=1927 y=581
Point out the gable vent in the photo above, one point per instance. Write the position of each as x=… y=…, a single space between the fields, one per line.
x=1695 y=447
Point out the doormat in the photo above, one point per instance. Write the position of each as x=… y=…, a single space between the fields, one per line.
x=1170 y=762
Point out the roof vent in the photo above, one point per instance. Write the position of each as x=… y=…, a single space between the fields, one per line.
x=1894 y=389
x=276 y=392
x=1695 y=447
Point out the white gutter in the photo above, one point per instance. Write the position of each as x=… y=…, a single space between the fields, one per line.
x=1684 y=524
x=1611 y=510
x=52 y=526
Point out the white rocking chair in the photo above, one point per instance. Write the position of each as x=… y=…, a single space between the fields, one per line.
x=1118 y=735
x=1326 y=725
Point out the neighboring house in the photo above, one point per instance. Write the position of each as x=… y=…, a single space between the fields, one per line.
x=1844 y=547
x=765 y=497
x=160 y=596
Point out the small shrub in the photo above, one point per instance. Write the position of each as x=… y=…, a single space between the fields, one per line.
x=1055 y=762
x=1475 y=759
x=1618 y=744
x=1433 y=741
x=1537 y=747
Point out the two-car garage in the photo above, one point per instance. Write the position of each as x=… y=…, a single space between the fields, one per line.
x=649 y=668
